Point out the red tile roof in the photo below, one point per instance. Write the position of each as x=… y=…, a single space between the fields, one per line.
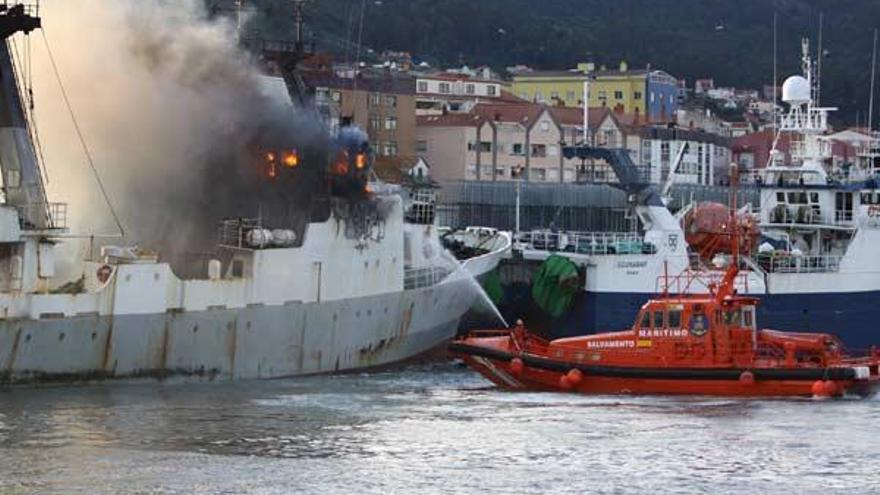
x=523 y=113
x=575 y=115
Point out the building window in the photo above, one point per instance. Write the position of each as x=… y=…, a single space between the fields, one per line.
x=652 y=97
x=485 y=146
x=637 y=95
x=421 y=145
x=539 y=96
x=499 y=171
x=491 y=90
x=545 y=126
x=422 y=87
x=569 y=97
x=469 y=88
x=539 y=150
x=444 y=87
x=554 y=95
x=374 y=100
x=540 y=174
x=336 y=96
x=390 y=123
x=390 y=148
x=664 y=152
x=603 y=95
x=375 y=122
x=517 y=149
x=391 y=101
x=472 y=172
x=618 y=95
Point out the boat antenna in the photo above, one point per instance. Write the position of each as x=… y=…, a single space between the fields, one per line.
x=820 y=56
x=873 y=75
x=775 y=80
x=80 y=136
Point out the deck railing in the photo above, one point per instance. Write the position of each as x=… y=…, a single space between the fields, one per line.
x=789 y=263
x=587 y=242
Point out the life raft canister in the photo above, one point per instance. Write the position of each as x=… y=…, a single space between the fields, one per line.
x=104 y=273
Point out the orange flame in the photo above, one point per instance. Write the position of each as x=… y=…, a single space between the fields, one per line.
x=290 y=159
x=360 y=161
x=341 y=167
x=270 y=156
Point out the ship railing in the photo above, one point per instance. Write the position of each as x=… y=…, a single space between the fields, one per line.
x=416 y=278
x=55 y=215
x=233 y=232
x=791 y=263
x=593 y=243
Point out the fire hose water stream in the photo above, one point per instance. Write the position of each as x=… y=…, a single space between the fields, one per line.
x=458 y=270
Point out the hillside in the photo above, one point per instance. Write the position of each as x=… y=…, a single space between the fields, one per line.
x=730 y=40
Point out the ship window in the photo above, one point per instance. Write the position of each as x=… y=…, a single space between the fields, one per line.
x=780 y=197
x=814 y=197
x=802 y=198
x=674 y=318
x=646 y=319
x=747 y=319
x=733 y=317
x=658 y=319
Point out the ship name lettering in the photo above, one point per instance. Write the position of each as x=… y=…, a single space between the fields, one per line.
x=632 y=264
x=610 y=344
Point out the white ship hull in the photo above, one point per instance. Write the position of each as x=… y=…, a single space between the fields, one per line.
x=253 y=342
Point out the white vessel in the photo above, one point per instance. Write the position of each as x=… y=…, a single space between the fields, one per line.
x=359 y=288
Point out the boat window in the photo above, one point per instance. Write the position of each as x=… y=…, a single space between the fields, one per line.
x=814 y=197
x=780 y=197
x=747 y=319
x=658 y=319
x=792 y=198
x=646 y=320
x=802 y=198
x=674 y=318
x=733 y=317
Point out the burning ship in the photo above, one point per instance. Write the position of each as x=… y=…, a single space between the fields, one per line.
x=349 y=284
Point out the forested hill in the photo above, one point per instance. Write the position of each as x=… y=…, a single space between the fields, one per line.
x=729 y=40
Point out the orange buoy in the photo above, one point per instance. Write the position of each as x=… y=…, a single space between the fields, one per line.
x=819 y=389
x=831 y=388
x=747 y=378
x=516 y=366
x=564 y=382
x=575 y=376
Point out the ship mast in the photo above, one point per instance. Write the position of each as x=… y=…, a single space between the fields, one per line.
x=22 y=181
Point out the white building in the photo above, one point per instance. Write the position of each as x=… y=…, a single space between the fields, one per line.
x=705 y=155
x=445 y=92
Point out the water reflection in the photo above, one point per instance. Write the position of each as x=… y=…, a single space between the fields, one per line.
x=430 y=429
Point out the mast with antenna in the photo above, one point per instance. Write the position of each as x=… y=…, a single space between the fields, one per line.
x=775 y=75
x=820 y=55
x=873 y=75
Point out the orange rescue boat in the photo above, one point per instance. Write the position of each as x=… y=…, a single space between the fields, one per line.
x=701 y=344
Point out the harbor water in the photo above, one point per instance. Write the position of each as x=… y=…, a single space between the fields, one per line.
x=428 y=429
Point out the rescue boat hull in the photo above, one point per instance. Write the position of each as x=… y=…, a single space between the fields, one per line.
x=543 y=374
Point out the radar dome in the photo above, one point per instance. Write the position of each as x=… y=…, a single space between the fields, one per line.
x=796 y=90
